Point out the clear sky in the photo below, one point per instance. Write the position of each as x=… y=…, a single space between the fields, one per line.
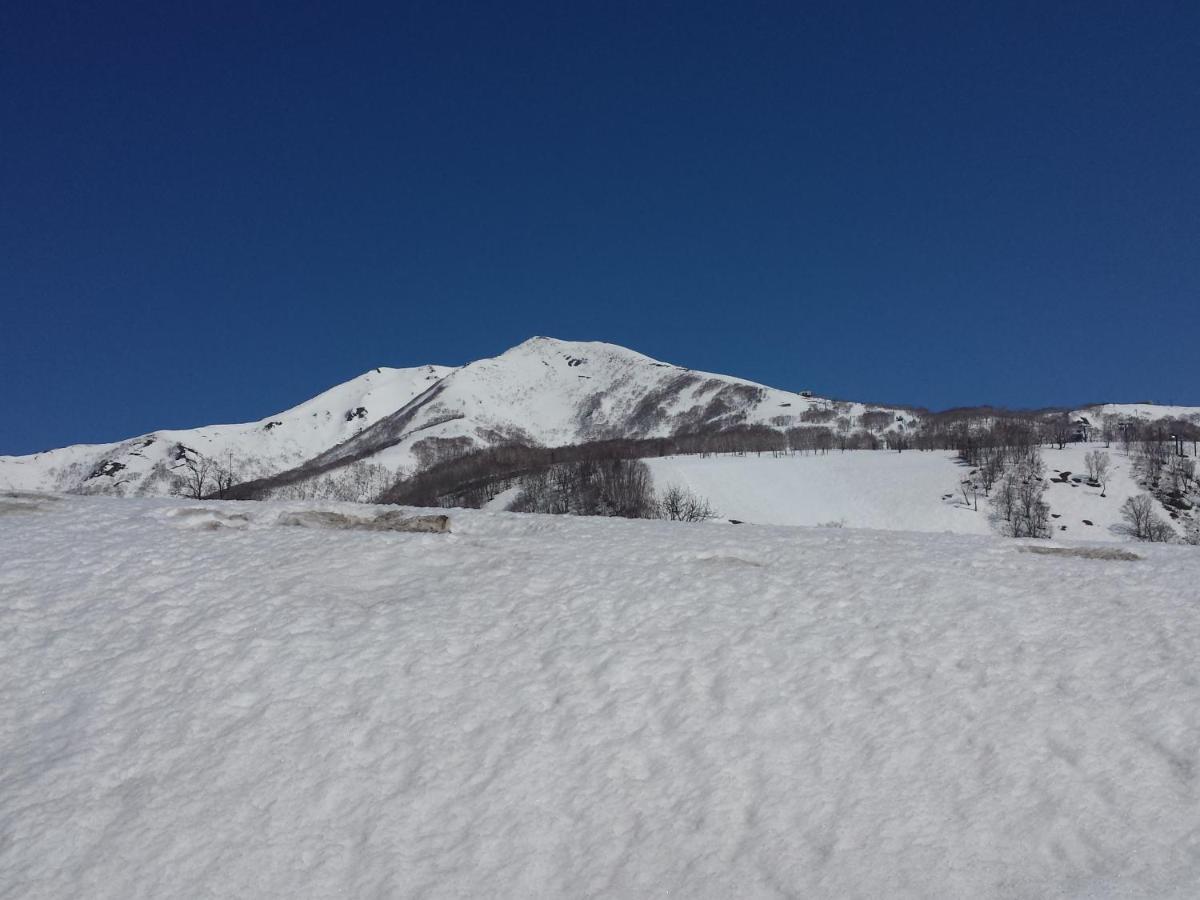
x=212 y=211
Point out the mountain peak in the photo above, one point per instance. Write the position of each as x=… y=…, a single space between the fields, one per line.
x=542 y=347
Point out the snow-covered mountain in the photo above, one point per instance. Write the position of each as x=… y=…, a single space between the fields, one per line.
x=543 y=391
x=145 y=464
x=555 y=393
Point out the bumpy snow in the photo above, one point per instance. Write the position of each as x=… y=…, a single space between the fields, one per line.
x=195 y=701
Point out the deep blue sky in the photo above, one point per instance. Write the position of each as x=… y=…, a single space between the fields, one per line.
x=209 y=212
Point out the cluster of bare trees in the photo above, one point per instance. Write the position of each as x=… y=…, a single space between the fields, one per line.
x=198 y=476
x=1050 y=427
x=678 y=504
x=1144 y=523
x=1020 y=498
x=1181 y=474
x=1097 y=462
x=193 y=474
x=818 y=414
x=1003 y=441
x=1151 y=457
x=359 y=482
x=471 y=480
x=1006 y=460
x=610 y=487
x=601 y=478
x=1169 y=476
x=1005 y=445
x=875 y=419
x=1173 y=434
x=809 y=439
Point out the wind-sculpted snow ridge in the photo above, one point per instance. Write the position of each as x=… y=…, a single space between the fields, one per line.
x=538 y=706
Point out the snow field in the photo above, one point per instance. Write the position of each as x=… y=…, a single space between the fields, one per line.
x=893 y=491
x=857 y=488
x=203 y=703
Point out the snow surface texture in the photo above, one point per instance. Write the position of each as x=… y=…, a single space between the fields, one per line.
x=913 y=491
x=196 y=701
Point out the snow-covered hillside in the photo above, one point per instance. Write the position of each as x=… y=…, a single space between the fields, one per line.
x=208 y=703
x=544 y=391
x=143 y=465
x=912 y=491
x=1144 y=411
x=556 y=393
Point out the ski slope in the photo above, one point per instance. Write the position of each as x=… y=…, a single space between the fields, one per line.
x=204 y=702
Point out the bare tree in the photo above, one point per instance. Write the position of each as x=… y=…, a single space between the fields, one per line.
x=1153 y=453
x=1109 y=430
x=223 y=477
x=875 y=419
x=1138 y=513
x=678 y=504
x=1020 y=499
x=970 y=491
x=589 y=487
x=195 y=471
x=1097 y=462
x=897 y=440
x=1182 y=472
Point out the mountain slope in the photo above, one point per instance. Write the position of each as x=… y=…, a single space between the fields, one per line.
x=556 y=393
x=145 y=464
x=544 y=391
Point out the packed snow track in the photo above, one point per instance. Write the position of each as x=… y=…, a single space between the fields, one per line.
x=209 y=704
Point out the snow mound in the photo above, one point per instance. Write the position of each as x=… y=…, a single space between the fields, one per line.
x=538 y=706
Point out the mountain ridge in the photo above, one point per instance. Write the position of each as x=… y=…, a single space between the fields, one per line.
x=543 y=391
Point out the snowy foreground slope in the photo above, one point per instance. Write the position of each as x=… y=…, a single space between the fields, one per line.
x=197 y=701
